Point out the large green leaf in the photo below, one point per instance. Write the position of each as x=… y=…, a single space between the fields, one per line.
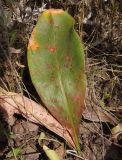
x=56 y=65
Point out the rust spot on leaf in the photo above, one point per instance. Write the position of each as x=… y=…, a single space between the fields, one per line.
x=52 y=49
x=33 y=44
x=52 y=78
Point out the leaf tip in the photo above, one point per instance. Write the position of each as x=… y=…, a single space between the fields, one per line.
x=53 y=11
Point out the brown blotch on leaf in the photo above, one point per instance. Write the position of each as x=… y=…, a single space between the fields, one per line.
x=68 y=58
x=52 y=78
x=49 y=66
x=78 y=99
x=68 y=61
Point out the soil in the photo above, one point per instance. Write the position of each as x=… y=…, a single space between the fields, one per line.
x=99 y=24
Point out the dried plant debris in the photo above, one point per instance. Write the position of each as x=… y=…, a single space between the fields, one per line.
x=100 y=25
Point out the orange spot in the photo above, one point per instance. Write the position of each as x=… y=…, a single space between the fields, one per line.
x=33 y=45
x=52 y=49
x=53 y=11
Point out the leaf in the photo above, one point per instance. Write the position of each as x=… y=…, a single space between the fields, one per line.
x=116 y=132
x=97 y=114
x=40 y=139
x=52 y=155
x=56 y=65
x=13 y=103
x=14 y=153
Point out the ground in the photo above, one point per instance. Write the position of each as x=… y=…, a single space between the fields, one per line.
x=99 y=24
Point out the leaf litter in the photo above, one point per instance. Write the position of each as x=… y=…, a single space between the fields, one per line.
x=108 y=50
x=16 y=103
